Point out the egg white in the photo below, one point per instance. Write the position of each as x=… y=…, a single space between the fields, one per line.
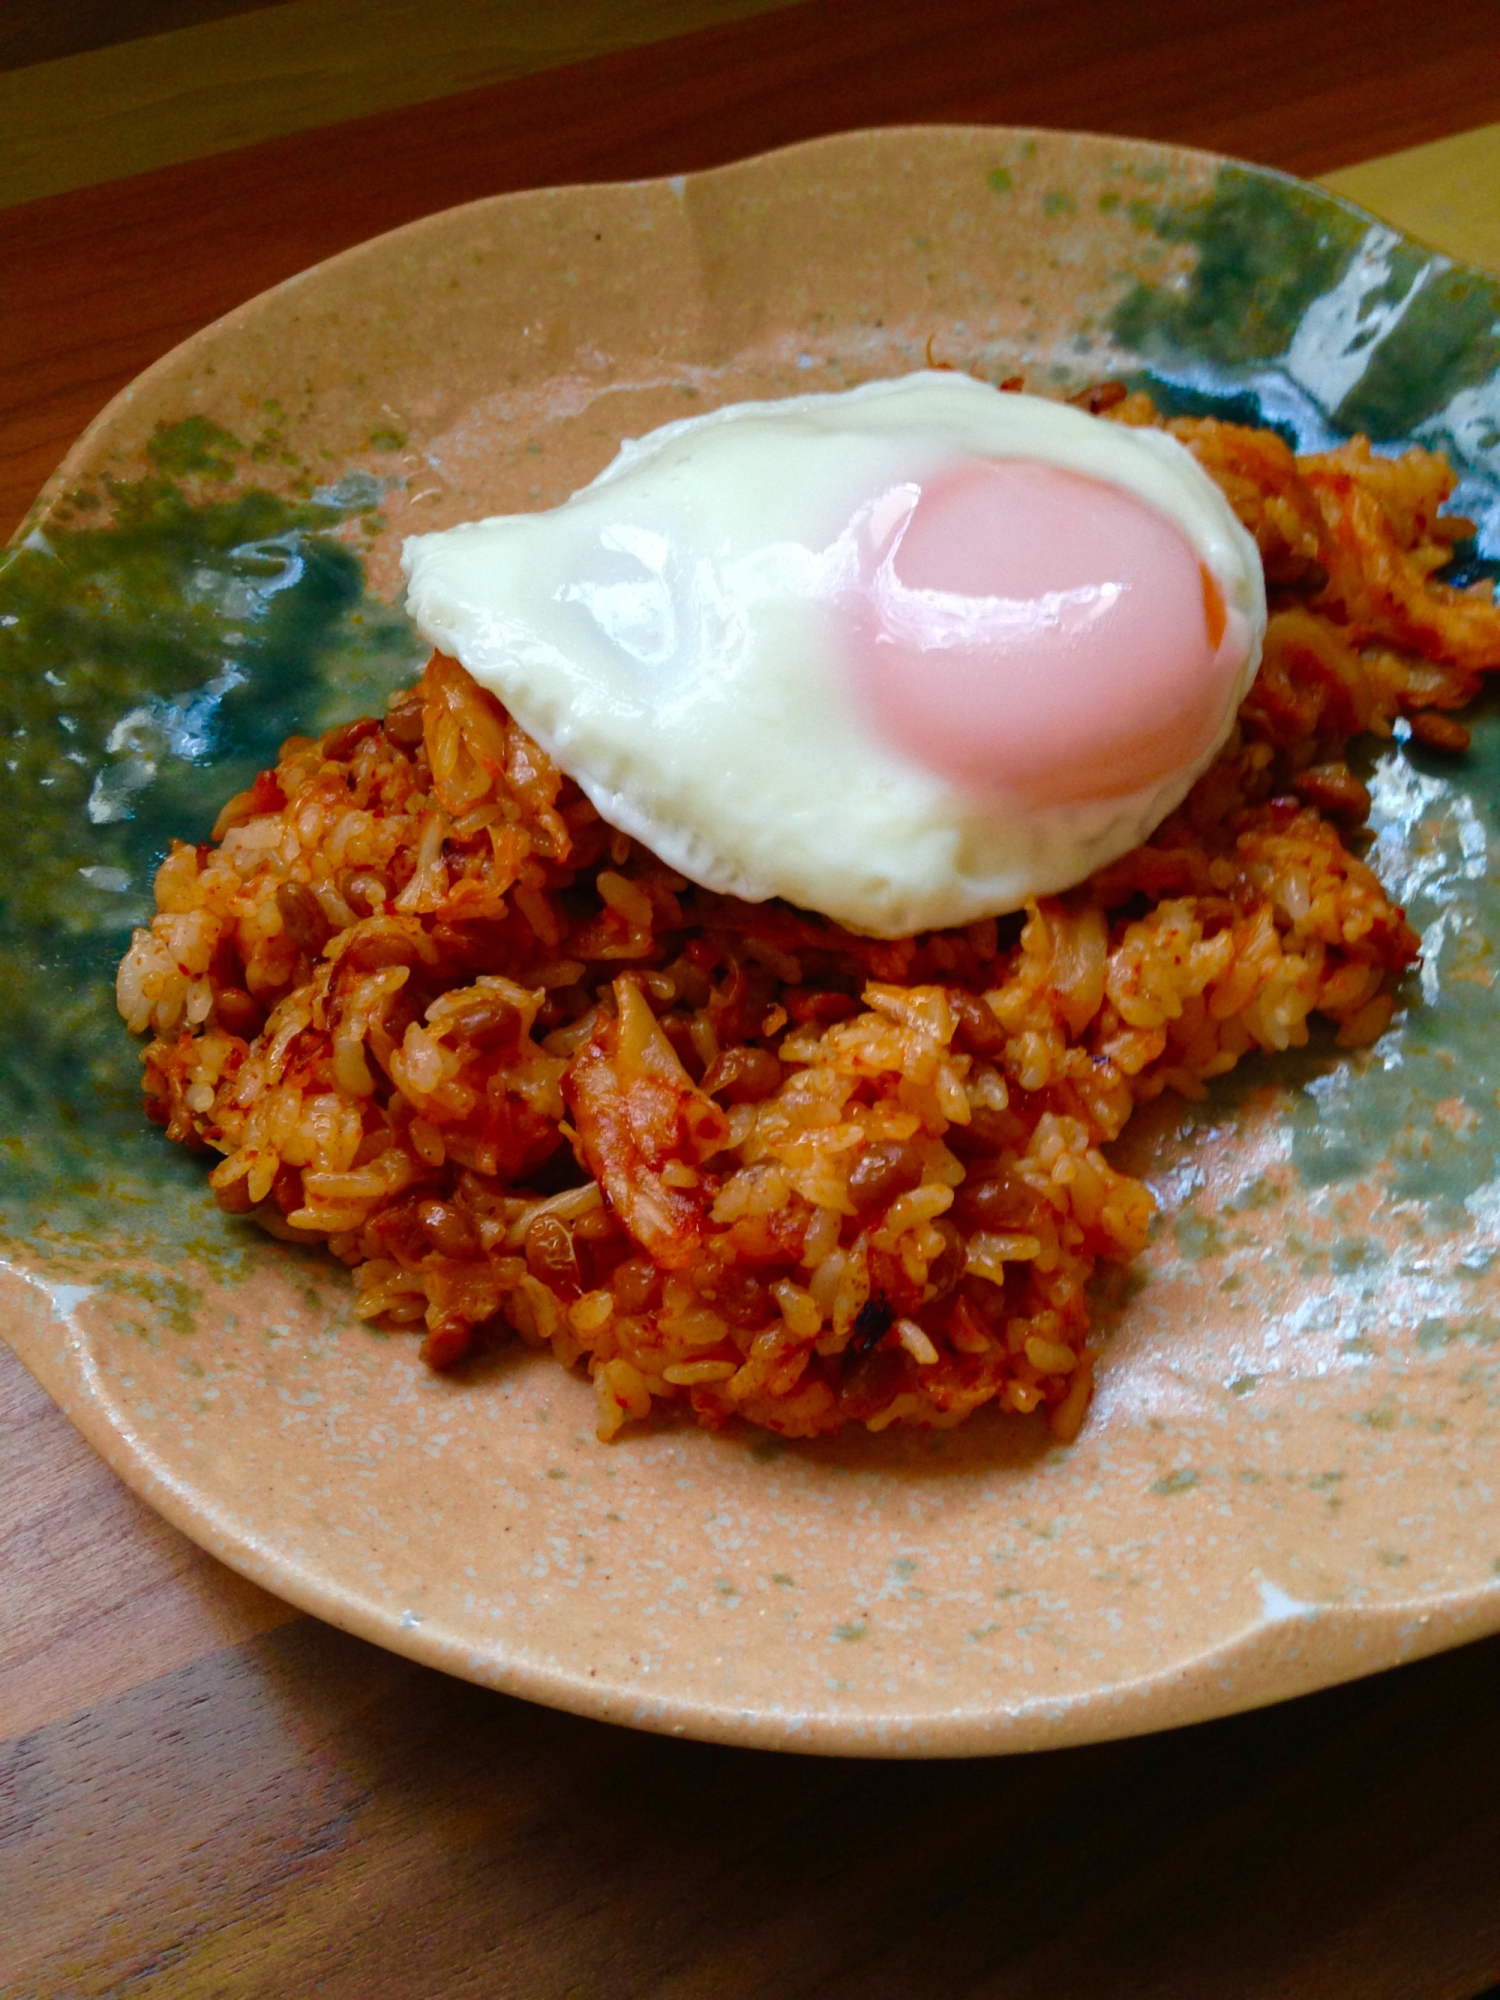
x=666 y=635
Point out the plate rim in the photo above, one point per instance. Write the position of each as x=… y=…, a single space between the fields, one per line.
x=52 y=489
x=1184 y=1693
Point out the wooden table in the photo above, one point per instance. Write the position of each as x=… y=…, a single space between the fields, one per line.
x=206 y=1794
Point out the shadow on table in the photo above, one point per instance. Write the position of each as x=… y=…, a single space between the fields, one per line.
x=356 y=1825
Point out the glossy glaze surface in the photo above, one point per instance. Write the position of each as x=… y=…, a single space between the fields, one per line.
x=1286 y=1478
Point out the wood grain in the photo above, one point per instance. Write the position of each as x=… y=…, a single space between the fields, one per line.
x=227 y=83
x=96 y=1593
x=302 y=1813
x=38 y=31
x=202 y=1795
x=101 y=281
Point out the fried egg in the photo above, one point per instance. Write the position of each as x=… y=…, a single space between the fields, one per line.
x=907 y=655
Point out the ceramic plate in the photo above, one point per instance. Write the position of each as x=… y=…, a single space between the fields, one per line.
x=1288 y=1478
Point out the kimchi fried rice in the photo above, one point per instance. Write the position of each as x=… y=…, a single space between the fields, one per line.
x=435 y=1013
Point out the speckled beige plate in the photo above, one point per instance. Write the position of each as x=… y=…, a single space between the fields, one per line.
x=1287 y=1477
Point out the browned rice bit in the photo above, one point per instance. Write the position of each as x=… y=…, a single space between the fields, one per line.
x=518 y=1073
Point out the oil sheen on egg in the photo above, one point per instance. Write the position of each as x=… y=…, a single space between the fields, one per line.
x=906 y=655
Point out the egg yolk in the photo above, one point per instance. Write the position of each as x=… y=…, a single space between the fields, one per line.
x=1031 y=630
